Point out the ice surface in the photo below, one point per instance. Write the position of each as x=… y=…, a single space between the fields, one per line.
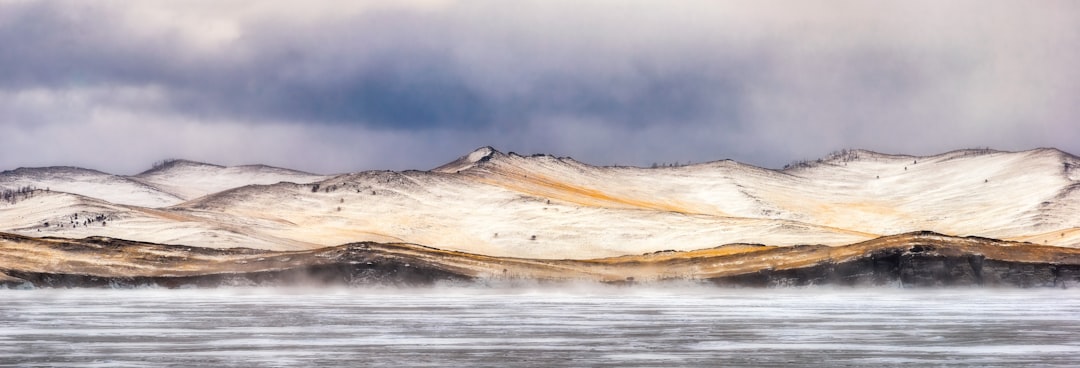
x=627 y=327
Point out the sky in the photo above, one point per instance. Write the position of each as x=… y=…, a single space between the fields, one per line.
x=333 y=86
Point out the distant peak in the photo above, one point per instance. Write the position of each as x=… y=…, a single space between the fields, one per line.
x=481 y=154
x=182 y=162
x=1054 y=152
x=176 y=163
x=474 y=158
x=268 y=168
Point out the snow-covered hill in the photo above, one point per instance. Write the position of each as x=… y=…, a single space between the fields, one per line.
x=543 y=206
x=189 y=179
x=89 y=183
x=171 y=183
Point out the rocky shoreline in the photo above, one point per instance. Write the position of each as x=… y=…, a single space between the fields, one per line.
x=908 y=260
x=916 y=269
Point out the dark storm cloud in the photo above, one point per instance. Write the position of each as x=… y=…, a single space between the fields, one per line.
x=385 y=69
x=264 y=77
x=333 y=87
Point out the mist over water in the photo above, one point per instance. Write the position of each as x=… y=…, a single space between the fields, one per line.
x=540 y=327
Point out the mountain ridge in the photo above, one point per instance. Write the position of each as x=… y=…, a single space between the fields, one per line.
x=486 y=153
x=544 y=206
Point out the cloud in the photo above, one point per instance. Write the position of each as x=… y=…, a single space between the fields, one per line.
x=332 y=87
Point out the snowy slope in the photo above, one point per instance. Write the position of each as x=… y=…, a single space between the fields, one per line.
x=89 y=183
x=189 y=179
x=543 y=206
x=994 y=194
x=455 y=212
x=66 y=215
x=170 y=184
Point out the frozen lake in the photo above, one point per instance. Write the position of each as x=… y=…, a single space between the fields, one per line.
x=610 y=326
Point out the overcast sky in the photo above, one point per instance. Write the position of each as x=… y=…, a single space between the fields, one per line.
x=347 y=85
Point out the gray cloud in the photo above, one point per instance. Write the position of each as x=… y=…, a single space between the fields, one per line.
x=326 y=87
